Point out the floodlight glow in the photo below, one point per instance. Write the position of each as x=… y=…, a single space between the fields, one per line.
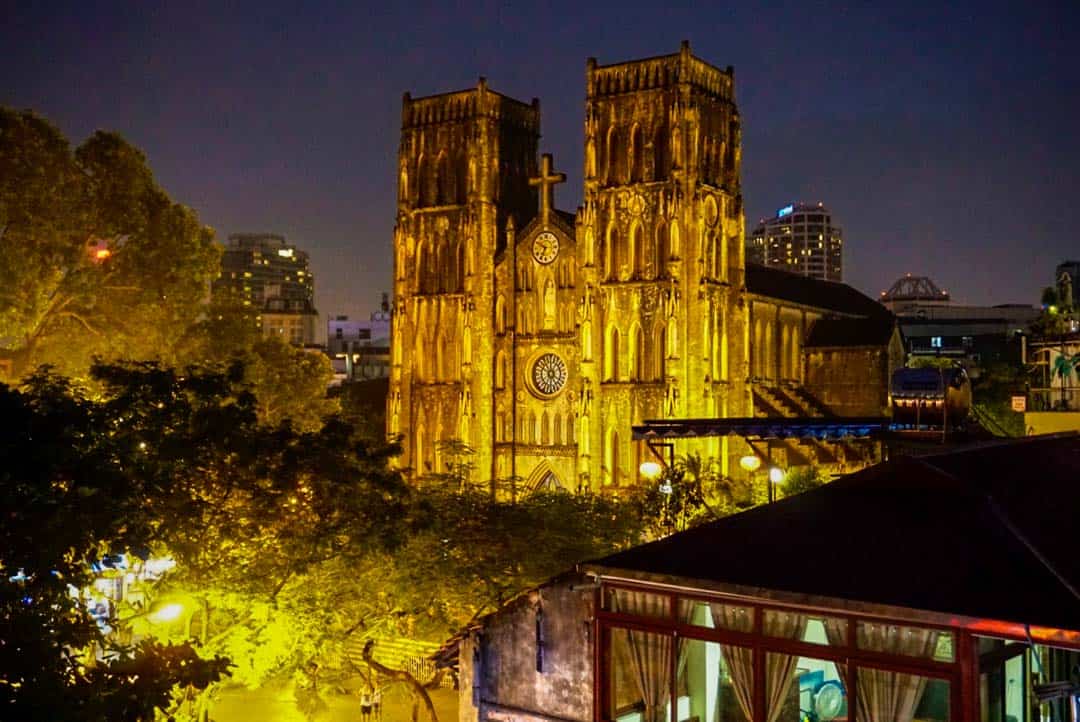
x=776 y=475
x=650 y=470
x=168 y=613
x=750 y=463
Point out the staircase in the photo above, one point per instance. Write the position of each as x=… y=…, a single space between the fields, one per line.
x=411 y=655
x=795 y=402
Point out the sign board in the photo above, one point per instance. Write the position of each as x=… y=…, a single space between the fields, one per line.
x=1019 y=403
x=785 y=211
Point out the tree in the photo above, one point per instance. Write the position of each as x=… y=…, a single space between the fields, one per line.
x=97 y=261
x=178 y=462
x=72 y=492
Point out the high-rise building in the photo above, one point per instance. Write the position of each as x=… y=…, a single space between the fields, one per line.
x=801 y=238
x=360 y=350
x=272 y=277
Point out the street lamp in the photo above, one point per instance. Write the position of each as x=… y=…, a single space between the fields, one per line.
x=776 y=476
x=750 y=463
x=650 y=470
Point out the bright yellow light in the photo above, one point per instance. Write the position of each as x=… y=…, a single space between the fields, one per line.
x=776 y=475
x=168 y=613
x=650 y=470
x=750 y=463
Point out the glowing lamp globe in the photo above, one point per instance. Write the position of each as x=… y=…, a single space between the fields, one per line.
x=650 y=470
x=750 y=463
x=776 y=475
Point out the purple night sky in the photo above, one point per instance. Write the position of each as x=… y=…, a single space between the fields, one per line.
x=944 y=139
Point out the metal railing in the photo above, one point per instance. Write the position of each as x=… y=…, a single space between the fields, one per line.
x=1055 y=398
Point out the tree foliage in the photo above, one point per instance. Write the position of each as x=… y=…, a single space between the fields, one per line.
x=98 y=260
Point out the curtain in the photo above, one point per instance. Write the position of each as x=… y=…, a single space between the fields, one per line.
x=780 y=668
x=739 y=660
x=884 y=696
x=649 y=654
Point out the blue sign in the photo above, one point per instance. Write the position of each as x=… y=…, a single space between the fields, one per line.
x=785 y=211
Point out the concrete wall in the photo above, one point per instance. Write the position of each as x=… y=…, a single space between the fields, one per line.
x=499 y=677
x=851 y=381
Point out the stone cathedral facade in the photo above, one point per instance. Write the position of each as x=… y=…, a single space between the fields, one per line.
x=537 y=336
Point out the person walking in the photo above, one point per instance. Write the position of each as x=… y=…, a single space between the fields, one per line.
x=376 y=704
x=365 y=706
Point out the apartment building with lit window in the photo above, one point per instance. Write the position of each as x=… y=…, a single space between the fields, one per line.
x=801 y=238
x=273 y=278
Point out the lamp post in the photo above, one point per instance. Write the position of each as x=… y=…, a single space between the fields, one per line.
x=776 y=476
x=651 y=471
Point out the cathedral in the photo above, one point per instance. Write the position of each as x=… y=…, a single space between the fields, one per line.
x=538 y=337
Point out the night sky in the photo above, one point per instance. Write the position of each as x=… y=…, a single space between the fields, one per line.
x=945 y=140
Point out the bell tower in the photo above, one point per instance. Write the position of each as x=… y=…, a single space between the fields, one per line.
x=663 y=253
x=464 y=164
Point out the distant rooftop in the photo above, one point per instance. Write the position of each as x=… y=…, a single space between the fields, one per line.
x=914 y=288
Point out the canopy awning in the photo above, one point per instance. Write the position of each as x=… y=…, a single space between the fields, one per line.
x=810 y=427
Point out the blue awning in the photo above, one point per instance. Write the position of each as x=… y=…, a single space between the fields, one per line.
x=757 y=428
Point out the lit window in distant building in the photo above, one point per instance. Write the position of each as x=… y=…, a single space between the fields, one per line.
x=935 y=342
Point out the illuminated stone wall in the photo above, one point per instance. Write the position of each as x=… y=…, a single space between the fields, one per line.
x=540 y=337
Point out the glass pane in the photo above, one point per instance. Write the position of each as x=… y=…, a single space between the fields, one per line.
x=804 y=688
x=716 y=615
x=639 y=671
x=908 y=641
x=641 y=604
x=898 y=697
x=715 y=682
x=813 y=628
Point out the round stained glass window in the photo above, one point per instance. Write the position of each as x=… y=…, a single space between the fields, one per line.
x=549 y=374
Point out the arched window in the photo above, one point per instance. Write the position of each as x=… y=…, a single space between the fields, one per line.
x=461 y=181
x=612 y=460
x=420 y=368
x=590 y=247
x=443 y=180
x=611 y=355
x=611 y=167
x=500 y=315
x=662 y=252
x=500 y=370
x=459 y=267
x=499 y=426
x=403 y=184
x=796 y=354
x=534 y=428
x=636 y=156
x=637 y=250
x=545 y=429
x=660 y=352
x=673 y=240
x=570 y=431
x=586 y=340
x=661 y=160
x=611 y=254
x=556 y=430
x=424 y=187
x=637 y=354
x=438 y=276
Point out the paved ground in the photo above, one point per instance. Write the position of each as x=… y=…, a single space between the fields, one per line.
x=278 y=705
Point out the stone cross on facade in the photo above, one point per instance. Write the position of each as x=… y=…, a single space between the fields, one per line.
x=546 y=180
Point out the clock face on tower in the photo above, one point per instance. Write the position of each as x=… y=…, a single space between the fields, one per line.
x=545 y=247
x=549 y=374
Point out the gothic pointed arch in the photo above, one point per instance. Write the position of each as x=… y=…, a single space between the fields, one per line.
x=611 y=253
x=659 y=358
x=424 y=179
x=461 y=179
x=611 y=354
x=611 y=165
x=661 y=247
x=500 y=314
x=637 y=250
x=543 y=479
x=674 y=249
x=443 y=180
x=661 y=154
x=586 y=340
x=613 y=465
x=635 y=157
x=556 y=430
x=545 y=428
x=500 y=370
x=637 y=353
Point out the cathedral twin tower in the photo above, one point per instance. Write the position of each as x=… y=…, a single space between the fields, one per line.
x=538 y=337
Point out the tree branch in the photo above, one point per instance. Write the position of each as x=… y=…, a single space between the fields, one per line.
x=400 y=675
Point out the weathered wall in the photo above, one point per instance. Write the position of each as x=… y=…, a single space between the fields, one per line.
x=500 y=679
x=851 y=381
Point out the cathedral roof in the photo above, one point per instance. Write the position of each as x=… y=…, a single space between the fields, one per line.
x=872 y=331
x=805 y=291
x=967 y=533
